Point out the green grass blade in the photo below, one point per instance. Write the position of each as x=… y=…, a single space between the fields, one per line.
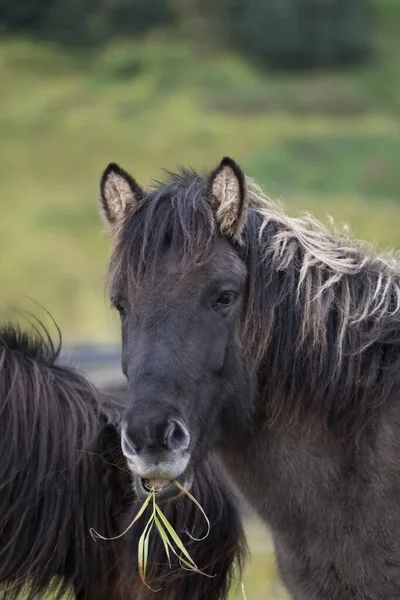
x=146 y=549
x=143 y=547
x=197 y=503
x=189 y=566
x=95 y=535
x=175 y=537
x=164 y=537
x=143 y=552
x=244 y=592
x=186 y=563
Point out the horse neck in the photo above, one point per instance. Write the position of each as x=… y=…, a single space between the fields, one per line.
x=326 y=349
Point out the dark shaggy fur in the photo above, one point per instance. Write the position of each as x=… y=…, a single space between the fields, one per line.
x=282 y=351
x=62 y=472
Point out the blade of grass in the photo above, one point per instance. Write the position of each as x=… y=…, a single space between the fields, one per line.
x=188 y=566
x=144 y=552
x=143 y=545
x=174 y=536
x=197 y=503
x=188 y=560
x=244 y=592
x=164 y=537
x=95 y=535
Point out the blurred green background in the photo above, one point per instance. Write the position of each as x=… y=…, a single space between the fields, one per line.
x=304 y=94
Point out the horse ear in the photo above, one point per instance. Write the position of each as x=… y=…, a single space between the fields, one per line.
x=119 y=194
x=229 y=198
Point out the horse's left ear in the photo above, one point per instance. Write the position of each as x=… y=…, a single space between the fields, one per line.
x=119 y=195
x=229 y=198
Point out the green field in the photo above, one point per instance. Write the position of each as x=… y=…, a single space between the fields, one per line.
x=260 y=580
x=326 y=143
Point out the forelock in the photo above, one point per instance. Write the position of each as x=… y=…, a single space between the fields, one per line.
x=175 y=216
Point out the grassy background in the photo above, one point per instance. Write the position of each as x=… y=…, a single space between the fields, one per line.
x=327 y=143
x=324 y=142
x=261 y=581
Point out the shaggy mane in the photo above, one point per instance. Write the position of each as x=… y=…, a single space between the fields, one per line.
x=325 y=317
x=327 y=259
x=50 y=419
x=322 y=310
x=174 y=216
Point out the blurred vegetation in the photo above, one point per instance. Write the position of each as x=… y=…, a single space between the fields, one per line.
x=323 y=142
x=294 y=34
x=84 y=23
x=260 y=579
x=277 y=33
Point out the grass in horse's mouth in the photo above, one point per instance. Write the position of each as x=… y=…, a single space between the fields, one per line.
x=158 y=521
x=155 y=484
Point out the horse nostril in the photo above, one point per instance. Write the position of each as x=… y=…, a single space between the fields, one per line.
x=176 y=436
x=129 y=448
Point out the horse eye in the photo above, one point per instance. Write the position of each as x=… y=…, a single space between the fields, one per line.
x=225 y=299
x=120 y=308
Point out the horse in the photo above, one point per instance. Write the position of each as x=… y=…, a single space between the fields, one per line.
x=275 y=342
x=62 y=472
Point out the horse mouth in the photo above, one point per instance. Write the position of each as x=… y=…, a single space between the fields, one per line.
x=165 y=489
x=155 y=484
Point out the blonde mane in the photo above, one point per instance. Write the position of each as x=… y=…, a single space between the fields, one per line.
x=330 y=259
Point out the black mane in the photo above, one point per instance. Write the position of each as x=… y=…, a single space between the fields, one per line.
x=52 y=488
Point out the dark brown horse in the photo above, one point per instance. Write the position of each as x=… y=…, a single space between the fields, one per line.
x=62 y=472
x=276 y=342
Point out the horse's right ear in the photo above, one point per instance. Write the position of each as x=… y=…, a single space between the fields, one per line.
x=119 y=194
